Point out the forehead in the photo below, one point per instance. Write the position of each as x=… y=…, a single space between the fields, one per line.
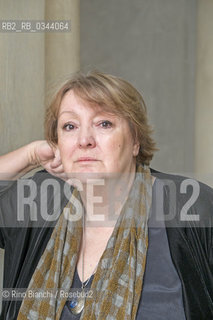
x=71 y=99
x=71 y=102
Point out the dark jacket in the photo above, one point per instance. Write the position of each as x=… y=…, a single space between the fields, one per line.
x=190 y=242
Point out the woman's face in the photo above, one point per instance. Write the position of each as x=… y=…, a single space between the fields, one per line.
x=90 y=140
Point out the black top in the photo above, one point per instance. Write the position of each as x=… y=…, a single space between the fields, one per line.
x=161 y=296
x=190 y=245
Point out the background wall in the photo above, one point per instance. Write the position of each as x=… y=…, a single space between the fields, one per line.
x=22 y=77
x=153 y=45
x=30 y=64
x=204 y=93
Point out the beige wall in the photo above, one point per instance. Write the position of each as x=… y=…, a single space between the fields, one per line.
x=30 y=64
x=62 y=50
x=22 y=77
x=204 y=93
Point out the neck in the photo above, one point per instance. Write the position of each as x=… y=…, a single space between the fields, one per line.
x=104 y=198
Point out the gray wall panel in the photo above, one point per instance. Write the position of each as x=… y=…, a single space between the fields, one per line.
x=151 y=44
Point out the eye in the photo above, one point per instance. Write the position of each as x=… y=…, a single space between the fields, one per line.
x=68 y=126
x=106 y=124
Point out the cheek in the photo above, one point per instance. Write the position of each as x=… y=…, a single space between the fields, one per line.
x=65 y=143
x=113 y=145
x=122 y=144
x=61 y=145
x=116 y=147
x=65 y=149
x=123 y=148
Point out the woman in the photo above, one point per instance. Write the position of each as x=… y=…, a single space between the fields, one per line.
x=99 y=142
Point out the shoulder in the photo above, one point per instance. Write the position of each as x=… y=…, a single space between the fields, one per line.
x=33 y=201
x=42 y=175
x=189 y=198
x=11 y=192
x=182 y=182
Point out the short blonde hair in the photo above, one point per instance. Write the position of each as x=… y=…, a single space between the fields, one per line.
x=114 y=95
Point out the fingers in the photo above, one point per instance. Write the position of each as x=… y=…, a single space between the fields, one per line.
x=56 y=163
x=55 y=167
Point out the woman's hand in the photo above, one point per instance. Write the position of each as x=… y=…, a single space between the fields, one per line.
x=38 y=153
x=42 y=154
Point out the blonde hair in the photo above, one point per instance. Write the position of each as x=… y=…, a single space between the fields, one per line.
x=114 y=95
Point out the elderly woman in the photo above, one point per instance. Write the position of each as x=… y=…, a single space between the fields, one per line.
x=111 y=234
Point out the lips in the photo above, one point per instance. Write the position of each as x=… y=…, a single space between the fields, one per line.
x=86 y=159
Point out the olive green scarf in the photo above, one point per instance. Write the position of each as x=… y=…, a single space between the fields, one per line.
x=119 y=276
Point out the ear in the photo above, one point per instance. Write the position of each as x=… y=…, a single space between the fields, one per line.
x=136 y=148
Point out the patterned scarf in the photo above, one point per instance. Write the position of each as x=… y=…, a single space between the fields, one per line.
x=119 y=276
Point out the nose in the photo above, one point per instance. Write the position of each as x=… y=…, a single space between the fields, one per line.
x=86 y=138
